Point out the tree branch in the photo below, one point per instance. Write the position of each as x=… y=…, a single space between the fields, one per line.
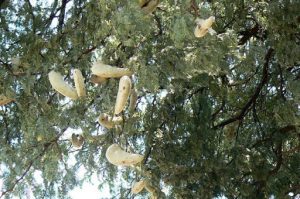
x=46 y=146
x=258 y=89
x=62 y=15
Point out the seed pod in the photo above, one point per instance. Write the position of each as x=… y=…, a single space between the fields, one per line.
x=97 y=79
x=109 y=122
x=4 y=100
x=138 y=187
x=123 y=94
x=61 y=86
x=77 y=140
x=151 y=190
x=106 y=121
x=204 y=26
x=148 y=6
x=132 y=100
x=116 y=156
x=79 y=83
x=108 y=71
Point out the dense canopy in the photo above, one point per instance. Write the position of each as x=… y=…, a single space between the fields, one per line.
x=216 y=115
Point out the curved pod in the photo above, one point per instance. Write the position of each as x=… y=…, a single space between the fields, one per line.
x=57 y=82
x=151 y=190
x=108 y=71
x=148 y=6
x=123 y=94
x=4 y=100
x=79 y=83
x=204 y=26
x=116 y=156
x=138 y=187
x=77 y=140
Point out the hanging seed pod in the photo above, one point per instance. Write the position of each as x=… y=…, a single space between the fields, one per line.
x=148 y=6
x=4 y=100
x=57 y=82
x=108 y=121
x=151 y=190
x=79 y=83
x=116 y=156
x=108 y=71
x=132 y=100
x=204 y=26
x=138 y=187
x=123 y=94
x=77 y=140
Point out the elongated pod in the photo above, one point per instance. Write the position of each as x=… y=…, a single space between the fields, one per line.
x=108 y=71
x=4 y=100
x=148 y=6
x=123 y=94
x=151 y=190
x=132 y=100
x=79 y=83
x=138 y=187
x=61 y=86
x=204 y=26
x=116 y=156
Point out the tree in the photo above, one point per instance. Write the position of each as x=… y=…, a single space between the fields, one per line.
x=216 y=115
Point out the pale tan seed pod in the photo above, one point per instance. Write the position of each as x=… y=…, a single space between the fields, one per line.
x=97 y=79
x=123 y=94
x=79 y=83
x=117 y=120
x=106 y=121
x=148 y=6
x=151 y=190
x=204 y=26
x=57 y=82
x=77 y=140
x=116 y=156
x=138 y=187
x=108 y=71
x=132 y=100
x=4 y=100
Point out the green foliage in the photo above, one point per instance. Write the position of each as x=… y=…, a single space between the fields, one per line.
x=216 y=116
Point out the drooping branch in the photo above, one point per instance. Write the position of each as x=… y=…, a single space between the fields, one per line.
x=46 y=146
x=28 y=167
x=31 y=13
x=254 y=97
x=62 y=15
x=194 y=7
